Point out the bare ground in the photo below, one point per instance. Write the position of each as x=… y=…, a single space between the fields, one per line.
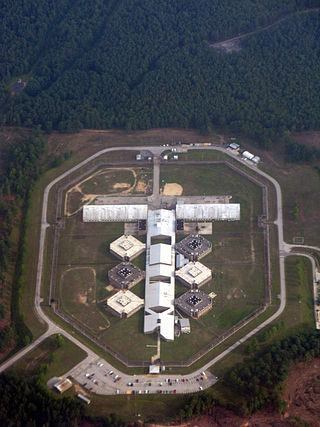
x=302 y=393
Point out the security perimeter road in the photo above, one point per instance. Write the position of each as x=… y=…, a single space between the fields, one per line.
x=96 y=374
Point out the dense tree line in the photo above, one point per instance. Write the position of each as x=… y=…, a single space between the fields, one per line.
x=298 y=153
x=20 y=172
x=141 y=64
x=29 y=403
x=258 y=381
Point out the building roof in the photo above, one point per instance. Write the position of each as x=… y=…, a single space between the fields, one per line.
x=194 y=246
x=159 y=294
x=159 y=309
x=125 y=274
x=163 y=321
x=193 y=302
x=234 y=146
x=125 y=302
x=160 y=270
x=154 y=369
x=110 y=213
x=247 y=155
x=63 y=385
x=160 y=254
x=209 y=211
x=184 y=323
x=161 y=222
x=194 y=273
x=127 y=246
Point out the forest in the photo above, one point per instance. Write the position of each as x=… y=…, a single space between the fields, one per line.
x=21 y=170
x=143 y=64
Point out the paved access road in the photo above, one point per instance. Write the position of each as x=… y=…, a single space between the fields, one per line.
x=92 y=362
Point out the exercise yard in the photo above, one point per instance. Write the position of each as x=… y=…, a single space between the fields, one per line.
x=121 y=181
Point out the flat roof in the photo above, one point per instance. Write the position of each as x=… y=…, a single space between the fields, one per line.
x=63 y=385
x=160 y=254
x=248 y=155
x=127 y=246
x=125 y=274
x=125 y=302
x=194 y=302
x=114 y=213
x=194 y=246
x=194 y=273
x=209 y=211
x=161 y=222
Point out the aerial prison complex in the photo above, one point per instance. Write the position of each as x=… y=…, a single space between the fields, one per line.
x=161 y=251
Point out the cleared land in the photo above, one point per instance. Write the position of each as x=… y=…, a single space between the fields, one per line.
x=57 y=359
x=119 y=181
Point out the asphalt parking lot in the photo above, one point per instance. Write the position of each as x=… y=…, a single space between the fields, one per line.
x=99 y=377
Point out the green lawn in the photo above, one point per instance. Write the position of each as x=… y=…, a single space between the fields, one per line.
x=105 y=181
x=59 y=359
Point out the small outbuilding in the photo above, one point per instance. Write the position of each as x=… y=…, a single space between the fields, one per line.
x=184 y=325
x=63 y=385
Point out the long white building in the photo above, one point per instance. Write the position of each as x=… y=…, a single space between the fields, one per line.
x=160 y=270
x=114 y=213
x=208 y=211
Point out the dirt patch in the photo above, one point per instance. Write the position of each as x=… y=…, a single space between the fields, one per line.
x=302 y=393
x=121 y=186
x=141 y=187
x=235 y=293
x=172 y=189
x=83 y=299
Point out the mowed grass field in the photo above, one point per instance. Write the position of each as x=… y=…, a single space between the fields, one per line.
x=237 y=258
x=84 y=261
x=58 y=359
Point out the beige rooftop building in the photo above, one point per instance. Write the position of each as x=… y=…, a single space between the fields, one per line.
x=124 y=304
x=127 y=247
x=194 y=274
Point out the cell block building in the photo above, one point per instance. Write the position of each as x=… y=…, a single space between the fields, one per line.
x=194 y=274
x=127 y=247
x=124 y=304
x=194 y=247
x=194 y=303
x=125 y=275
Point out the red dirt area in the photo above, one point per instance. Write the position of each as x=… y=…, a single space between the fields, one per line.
x=312 y=139
x=302 y=393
